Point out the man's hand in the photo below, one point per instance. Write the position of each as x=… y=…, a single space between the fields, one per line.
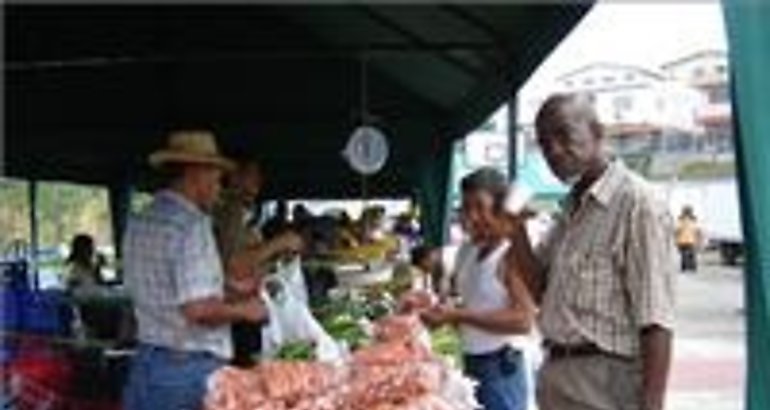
x=216 y=311
x=656 y=360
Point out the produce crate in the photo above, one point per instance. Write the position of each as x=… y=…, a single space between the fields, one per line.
x=35 y=312
x=21 y=392
x=48 y=374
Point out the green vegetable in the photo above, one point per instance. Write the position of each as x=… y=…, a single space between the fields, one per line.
x=446 y=342
x=378 y=309
x=341 y=316
x=346 y=328
x=302 y=350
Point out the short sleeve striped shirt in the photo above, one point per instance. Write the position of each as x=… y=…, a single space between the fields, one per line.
x=610 y=266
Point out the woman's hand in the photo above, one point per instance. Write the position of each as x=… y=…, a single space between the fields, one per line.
x=514 y=223
x=441 y=315
x=416 y=301
x=244 y=286
x=241 y=265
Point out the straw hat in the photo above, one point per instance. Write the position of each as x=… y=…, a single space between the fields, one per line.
x=190 y=147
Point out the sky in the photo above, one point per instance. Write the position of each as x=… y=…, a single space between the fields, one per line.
x=642 y=33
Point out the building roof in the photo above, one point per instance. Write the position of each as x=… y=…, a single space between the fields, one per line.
x=631 y=129
x=612 y=66
x=694 y=56
x=92 y=89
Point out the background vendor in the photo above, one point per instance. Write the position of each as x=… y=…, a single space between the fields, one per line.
x=243 y=250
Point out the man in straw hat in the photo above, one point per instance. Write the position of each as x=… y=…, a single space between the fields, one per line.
x=175 y=277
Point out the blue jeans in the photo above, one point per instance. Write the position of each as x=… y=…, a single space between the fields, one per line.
x=164 y=379
x=501 y=377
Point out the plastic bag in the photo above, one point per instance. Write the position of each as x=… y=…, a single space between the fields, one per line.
x=290 y=320
x=293 y=279
x=459 y=390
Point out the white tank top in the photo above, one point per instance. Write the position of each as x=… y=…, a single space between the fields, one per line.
x=481 y=289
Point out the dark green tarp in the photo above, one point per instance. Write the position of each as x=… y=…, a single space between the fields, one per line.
x=748 y=28
x=91 y=90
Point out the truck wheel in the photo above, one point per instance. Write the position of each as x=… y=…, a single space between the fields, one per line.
x=729 y=253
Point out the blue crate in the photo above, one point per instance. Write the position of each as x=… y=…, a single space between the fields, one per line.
x=15 y=275
x=10 y=311
x=45 y=313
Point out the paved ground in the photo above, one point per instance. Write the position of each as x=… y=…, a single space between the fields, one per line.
x=709 y=354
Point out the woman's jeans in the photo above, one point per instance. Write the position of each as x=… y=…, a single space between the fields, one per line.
x=501 y=377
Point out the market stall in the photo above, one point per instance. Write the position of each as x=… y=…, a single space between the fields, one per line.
x=92 y=90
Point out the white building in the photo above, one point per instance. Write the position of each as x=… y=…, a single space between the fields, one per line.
x=702 y=69
x=632 y=96
x=641 y=109
x=488 y=145
x=708 y=73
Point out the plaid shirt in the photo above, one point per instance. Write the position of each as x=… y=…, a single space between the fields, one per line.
x=611 y=266
x=170 y=258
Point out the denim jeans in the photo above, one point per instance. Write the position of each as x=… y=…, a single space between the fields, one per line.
x=164 y=379
x=501 y=377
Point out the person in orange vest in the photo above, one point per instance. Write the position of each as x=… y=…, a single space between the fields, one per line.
x=688 y=237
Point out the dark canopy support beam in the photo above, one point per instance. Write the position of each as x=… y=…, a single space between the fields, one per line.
x=513 y=141
x=120 y=206
x=433 y=194
x=34 y=233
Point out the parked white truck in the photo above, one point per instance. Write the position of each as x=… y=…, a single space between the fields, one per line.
x=716 y=205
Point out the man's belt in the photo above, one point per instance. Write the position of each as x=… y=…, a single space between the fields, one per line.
x=557 y=351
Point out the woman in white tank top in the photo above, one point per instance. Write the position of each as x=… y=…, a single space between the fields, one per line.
x=495 y=305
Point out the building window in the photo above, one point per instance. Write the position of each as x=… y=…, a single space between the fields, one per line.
x=622 y=103
x=568 y=83
x=608 y=80
x=721 y=69
x=588 y=81
x=630 y=77
x=719 y=95
x=698 y=72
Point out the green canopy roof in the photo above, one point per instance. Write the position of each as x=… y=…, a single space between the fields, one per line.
x=91 y=90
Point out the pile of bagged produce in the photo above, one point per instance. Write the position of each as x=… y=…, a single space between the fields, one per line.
x=396 y=369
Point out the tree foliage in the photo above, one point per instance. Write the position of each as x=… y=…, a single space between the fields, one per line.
x=63 y=210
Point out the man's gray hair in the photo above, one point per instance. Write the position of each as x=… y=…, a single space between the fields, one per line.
x=576 y=107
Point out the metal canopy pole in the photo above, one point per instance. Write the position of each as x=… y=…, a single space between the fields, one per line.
x=34 y=232
x=120 y=206
x=433 y=192
x=513 y=141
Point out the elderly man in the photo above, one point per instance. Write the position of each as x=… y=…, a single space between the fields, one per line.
x=244 y=251
x=175 y=278
x=604 y=276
